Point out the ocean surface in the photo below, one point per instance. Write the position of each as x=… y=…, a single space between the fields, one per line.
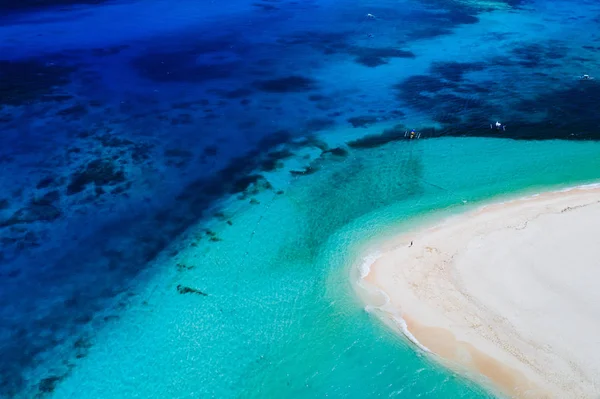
x=187 y=187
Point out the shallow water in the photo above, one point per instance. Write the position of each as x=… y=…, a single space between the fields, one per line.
x=251 y=151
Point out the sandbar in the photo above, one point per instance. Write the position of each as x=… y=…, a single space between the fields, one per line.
x=508 y=293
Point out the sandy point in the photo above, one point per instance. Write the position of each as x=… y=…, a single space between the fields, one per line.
x=508 y=293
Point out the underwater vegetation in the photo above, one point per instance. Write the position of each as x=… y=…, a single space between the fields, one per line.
x=111 y=151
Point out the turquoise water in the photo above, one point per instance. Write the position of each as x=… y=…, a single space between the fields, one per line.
x=187 y=187
x=281 y=318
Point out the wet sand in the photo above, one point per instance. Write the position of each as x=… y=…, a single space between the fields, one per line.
x=507 y=292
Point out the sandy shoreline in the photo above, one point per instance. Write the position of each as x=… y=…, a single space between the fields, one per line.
x=509 y=291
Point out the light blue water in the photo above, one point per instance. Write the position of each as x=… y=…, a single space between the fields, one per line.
x=281 y=317
x=249 y=151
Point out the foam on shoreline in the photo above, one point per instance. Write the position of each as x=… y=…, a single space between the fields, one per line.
x=374 y=284
x=364 y=269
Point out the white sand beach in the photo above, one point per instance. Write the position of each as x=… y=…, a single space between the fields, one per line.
x=510 y=291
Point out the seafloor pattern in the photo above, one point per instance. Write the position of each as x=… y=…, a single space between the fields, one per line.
x=123 y=124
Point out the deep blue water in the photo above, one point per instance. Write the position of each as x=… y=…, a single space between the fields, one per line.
x=124 y=123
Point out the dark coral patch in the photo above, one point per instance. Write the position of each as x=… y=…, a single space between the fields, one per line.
x=537 y=55
x=26 y=81
x=288 y=84
x=33 y=213
x=428 y=32
x=375 y=56
x=47 y=199
x=45 y=182
x=363 y=121
x=265 y=6
x=337 y=151
x=99 y=172
x=454 y=71
x=233 y=94
x=210 y=151
x=182 y=119
x=73 y=112
x=459 y=17
x=309 y=170
x=271 y=141
x=48 y=384
x=370 y=61
x=396 y=133
x=317 y=97
x=112 y=141
x=318 y=124
x=182 y=289
x=273 y=160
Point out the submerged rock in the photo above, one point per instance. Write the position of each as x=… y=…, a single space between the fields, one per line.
x=308 y=171
x=182 y=289
x=47 y=385
x=33 y=213
x=99 y=172
x=337 y=151
x=183 y=266
x=288 y=84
